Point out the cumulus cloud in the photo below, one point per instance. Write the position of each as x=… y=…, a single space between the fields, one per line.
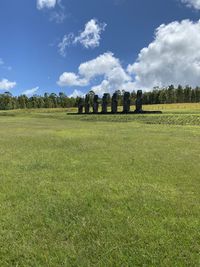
x=99 y=66
x=31 y=92
x=71 y=79
x=6 y=84
x=46 y=4
x=89 y=38
x=172 y=58
x=106 y=66
x=192 y=3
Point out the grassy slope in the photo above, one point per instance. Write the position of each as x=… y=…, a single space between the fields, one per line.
x=80 y=192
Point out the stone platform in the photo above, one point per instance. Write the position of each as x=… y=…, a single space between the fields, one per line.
x=118 y=113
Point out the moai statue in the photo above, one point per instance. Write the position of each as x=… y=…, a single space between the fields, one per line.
x=95 y=104
x=105 y=103
x=114 y=103
x=87 y=104
x=138 y=103
x=126 y=102
x=80 y=106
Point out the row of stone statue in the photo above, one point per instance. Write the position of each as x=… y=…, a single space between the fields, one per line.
x=114 y=103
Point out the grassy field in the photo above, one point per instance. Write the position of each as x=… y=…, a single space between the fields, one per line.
x=121 y=190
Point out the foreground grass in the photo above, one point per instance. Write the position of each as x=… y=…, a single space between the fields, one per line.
x=76 y=191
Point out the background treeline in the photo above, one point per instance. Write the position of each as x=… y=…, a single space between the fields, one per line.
x=172 y=95
x=7 y=101
x=156 y=96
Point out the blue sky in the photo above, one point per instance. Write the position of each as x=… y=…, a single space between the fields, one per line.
x=104 y=45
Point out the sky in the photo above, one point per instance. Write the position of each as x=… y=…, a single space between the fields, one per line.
x=74 y=46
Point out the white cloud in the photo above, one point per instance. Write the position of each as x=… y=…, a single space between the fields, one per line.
x=172 y=58
x=106 y=66
x=66 y=41
x=46 y=4
x=71 y=79
x=192 y=3
x=99 y=66
x=6 y=84
x=89 y=38
x=30 y=92
x=77 y=93
x=114 y=76
x=58 y=14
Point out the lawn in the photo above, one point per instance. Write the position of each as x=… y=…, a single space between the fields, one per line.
x=121 y=190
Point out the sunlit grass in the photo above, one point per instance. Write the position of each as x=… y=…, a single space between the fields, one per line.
x=93 y=191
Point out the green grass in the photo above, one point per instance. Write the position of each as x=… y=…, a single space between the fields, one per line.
x=120 y=190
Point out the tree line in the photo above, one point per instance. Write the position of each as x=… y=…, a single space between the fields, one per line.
x=167 y=95
x=8 y=101
x=171 y=95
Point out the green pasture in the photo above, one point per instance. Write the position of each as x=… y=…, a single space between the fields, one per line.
x=113 y=190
